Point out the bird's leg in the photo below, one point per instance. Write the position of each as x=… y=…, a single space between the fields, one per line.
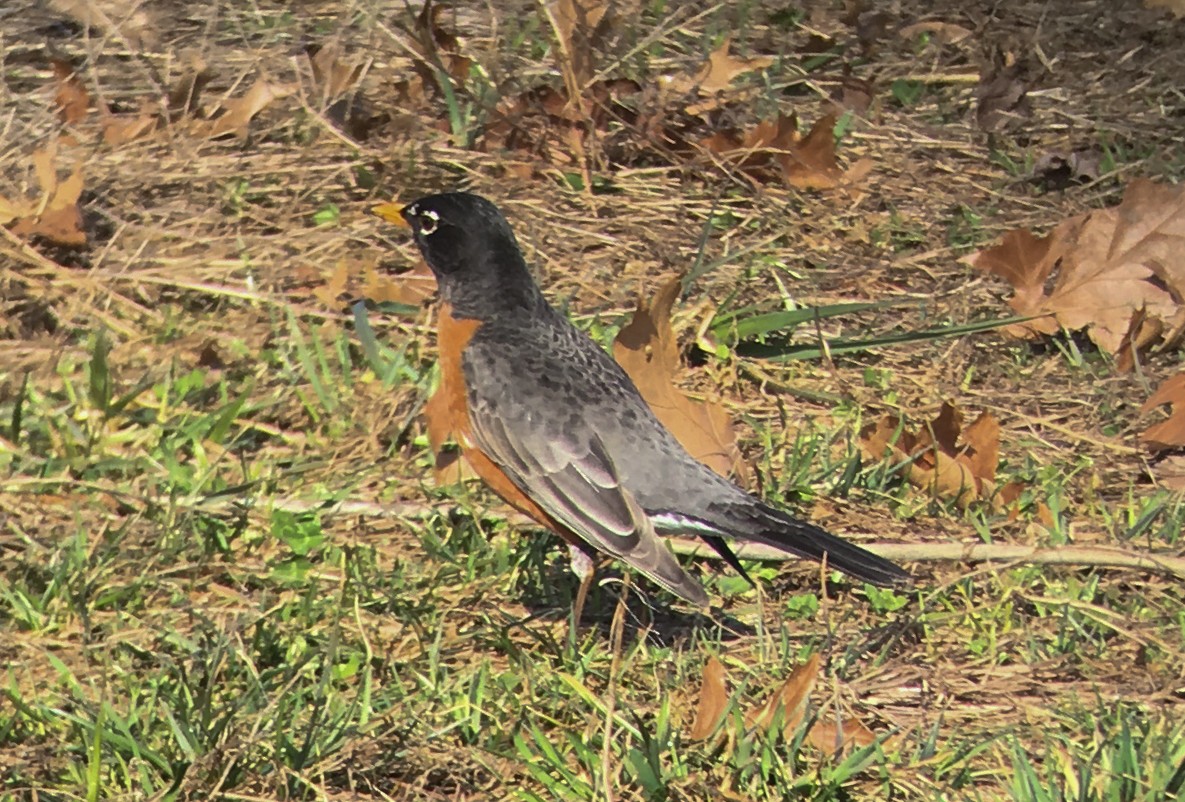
x=583 y=567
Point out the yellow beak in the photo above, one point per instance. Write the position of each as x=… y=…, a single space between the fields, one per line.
x=391 y=212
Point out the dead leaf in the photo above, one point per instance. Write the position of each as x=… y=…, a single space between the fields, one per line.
x=71 y=97
x=790 y=698
x=755 y=151
x=119 y=130
x=717 y=73
x=713 y=699
x=826 y=735
x=812 y=164
x=238 y=113
x=1026 y=261
x=579 y=25
x=1008 y=498
x=55 y=216
x=336 y=78
x=1169 y=469
x=775 y=148
x=411 y=288
x=981 y=441
x=946 y=33
x=1166 y=438
x=852 y=93
x=1177 y=7
x=1142 y=334
x=1168 y=433
x=1059 y=169
x=1104 y=266
x=183 y=101
x=835 y=736
x=937 y=461
x=545 y=126
x=185 y=96
x=1002 y=93
x=648 y=351
x=332 y=74
x=128 y=21
x=788 y=705
x=329 y=292
x=435 y=45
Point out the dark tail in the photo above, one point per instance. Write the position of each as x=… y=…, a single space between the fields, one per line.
x=764 y=524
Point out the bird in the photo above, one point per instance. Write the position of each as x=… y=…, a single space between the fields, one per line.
x=557 y=429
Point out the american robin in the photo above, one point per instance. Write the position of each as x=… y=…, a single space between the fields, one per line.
x=556 y=428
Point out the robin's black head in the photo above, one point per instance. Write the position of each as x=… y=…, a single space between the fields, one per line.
x=473 y=253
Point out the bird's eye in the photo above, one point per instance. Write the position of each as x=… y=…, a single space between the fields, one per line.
x=428 y=221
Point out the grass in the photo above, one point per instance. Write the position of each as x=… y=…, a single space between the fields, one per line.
x=224 y=570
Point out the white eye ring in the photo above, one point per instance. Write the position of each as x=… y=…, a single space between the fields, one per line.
x=428 y=221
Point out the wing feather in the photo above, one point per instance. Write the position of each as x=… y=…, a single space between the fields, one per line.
x=571 y=476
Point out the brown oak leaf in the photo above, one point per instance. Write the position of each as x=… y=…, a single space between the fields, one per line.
x=649 y=352
x=1096 y=270
x=943 y=458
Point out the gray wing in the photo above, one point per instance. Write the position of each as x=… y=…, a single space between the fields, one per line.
x=534 y=430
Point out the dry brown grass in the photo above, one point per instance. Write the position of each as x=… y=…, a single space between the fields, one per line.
x=199 y=250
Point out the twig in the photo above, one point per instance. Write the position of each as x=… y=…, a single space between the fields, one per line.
x=1099 y=556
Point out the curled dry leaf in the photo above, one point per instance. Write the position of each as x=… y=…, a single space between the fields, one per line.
x=181 y=102
x=54 y=215
x=238 y=113
x=646 y=348
x=411 y=288
x=186 y=93
x=544 y=125
x=433 y=46
x=788 y=705
x=579 y=25
x=1166 y=438
x=812 y=163
x=775 y=148
x=333 y=75
x=1143 y=334
x=1169 y=433
x=70 y=96
x=119 y=130
x=717 y=73
x=1002 y=93
x=946 y=33
x=330 y=292
x=129 y=21
x=713 y=699
x=835 y=736
x=1096 y=270
x=791 y=699
x=1176 y=7
x=937 y=461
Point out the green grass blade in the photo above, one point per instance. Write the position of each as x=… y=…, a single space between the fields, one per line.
x=366 y=338
x=790 y=353
x=733 y=328
x=305 y=355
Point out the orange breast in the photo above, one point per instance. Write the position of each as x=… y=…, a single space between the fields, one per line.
x=453 y=336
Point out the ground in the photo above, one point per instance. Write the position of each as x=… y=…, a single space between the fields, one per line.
x=226 y=571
